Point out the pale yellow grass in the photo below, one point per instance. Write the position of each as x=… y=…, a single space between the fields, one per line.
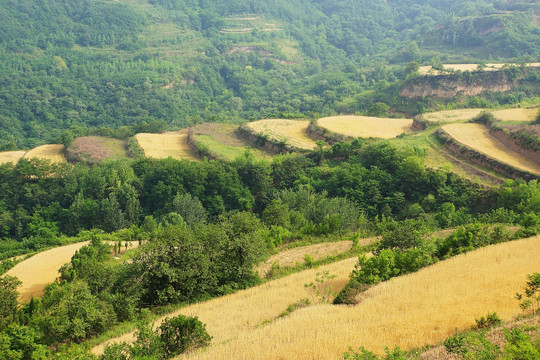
x=40 y=270
x=452 y=115
x=476 y=136
x=293 y=132
x=161 y=146
x=51 y=152
x=11 y=156
x=366 y=126
x=229 y=317
x=428 y=70
x=408 y=311
x=516 y=114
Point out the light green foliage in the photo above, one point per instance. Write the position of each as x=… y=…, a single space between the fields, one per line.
x=530 y=299
x=321 y=288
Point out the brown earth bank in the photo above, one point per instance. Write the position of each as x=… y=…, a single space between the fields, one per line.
x=513 y=143
x=456 y=84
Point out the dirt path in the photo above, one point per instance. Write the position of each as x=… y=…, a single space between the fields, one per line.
x=477 y=137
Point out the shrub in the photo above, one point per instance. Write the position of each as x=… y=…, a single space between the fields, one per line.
x=182 y=334
x=489 y=321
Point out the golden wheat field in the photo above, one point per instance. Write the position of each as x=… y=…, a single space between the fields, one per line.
x=476 y=136
x=41 y=270
x=293 y=132
x=51 y=152
x=161 y=146
x=366 y=126
x=516 y=114
x=452 y=115
x=428 y=70
x=409 y=311
x=11 y=156
x=228 y=317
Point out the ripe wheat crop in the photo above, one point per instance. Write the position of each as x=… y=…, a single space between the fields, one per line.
x=52 y=152
x=452 y=115
x=161 y=146
x=408 y=311
x=293 y=132
x=477 y=137
x=516 y=114
x=366 y=126
x=11 y=156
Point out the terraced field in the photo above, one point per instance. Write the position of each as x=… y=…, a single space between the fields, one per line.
x=428 y=70
x=366 y=126
x=293 y=132
x=222 y=142
x=96 y=148
x=477 y=137
x=230 y=316
x=519 y=114
x=51 y=152
x=161 y=146
x=11 y=156
x=408 y=311
x=451 y=115
x=41 y=270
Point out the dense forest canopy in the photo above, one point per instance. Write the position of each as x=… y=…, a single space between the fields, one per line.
x=121 y=63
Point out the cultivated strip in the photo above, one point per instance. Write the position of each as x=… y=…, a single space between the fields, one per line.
x=408 y=311
x=51 y=152
x=162 y=146
x=477 y=137
x=366 y=126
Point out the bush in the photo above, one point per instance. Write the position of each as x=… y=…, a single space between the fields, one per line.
x=489 y=321
x=182 y=334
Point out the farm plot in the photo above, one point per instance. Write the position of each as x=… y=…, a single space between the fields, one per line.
x=11 y=156
x=452 y=115
x=477 y=137
x=231 y=315
x=41 y=269
x=525 y=115
x=428 y=70
x=52 y=152
x=292 y=132
x=407 y=311
x=222 y=142
x=366 y=126
x=96 y=148
x=161 y=146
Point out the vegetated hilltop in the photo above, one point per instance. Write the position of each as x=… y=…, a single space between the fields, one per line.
x=100 y=63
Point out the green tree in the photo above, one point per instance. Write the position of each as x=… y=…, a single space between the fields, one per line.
x=8 y=300
x=182 y=334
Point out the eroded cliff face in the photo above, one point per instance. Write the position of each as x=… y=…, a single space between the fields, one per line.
x=458 y=84
x=451 y=89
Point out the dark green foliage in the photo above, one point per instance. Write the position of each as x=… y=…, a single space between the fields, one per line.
x=182 y=334
x=491 y=319
x=520 y=345
x=530 y=299
x=364 y=354
x=472 y=346
x=347 y=296
x=8 y=300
